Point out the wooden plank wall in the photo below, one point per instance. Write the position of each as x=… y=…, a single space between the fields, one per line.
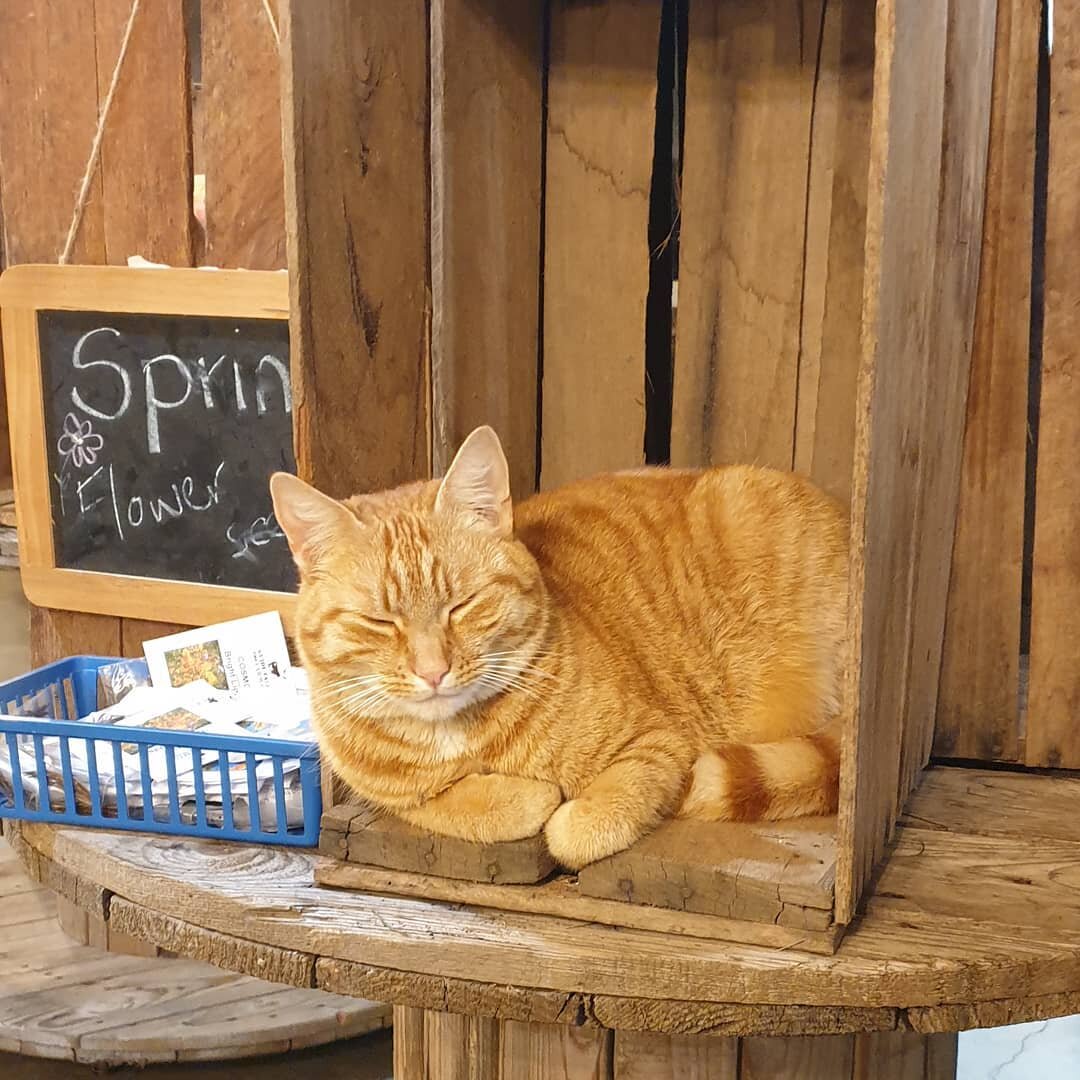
x=600 y=123
x=487 y=74
x=979 y=699
x=356 y=138
x=55 y=61
x=1053 y=731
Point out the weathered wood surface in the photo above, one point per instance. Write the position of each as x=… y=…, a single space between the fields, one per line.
x=63 y=999
x=1053 y=736
x=486 y=174
x=647 y=1056
x=773 y=209
x=902 y=227
x=600 y=124
x=240 y=114
x=969 y=68
x=359 y=836
x=563 y=896
x=978 y=700
x=925 y=952
x=356 y=121
x=775 y=872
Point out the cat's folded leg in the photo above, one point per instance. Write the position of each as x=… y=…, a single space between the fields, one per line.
x=626 y=801
x=487 y=808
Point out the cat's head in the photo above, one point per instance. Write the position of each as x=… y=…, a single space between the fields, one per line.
x=416 y=602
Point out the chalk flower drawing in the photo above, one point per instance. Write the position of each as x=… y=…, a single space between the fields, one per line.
x=79 y=443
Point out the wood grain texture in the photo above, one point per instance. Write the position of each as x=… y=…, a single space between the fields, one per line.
x=826 y=1057
x=241 y=136
x=969 y=69
x=750 y=90
x=904 y=1055
x=924 y=942
x=978 y=699
x=1054 y=694
x=62 y=1000
x=558 y=1052
x=644 y=1056
x=600 y=126
x=396 y=845
x=146 y=170
x=902 y=227
x=486 y=164
x=828 y=357
x=355 y=107
x=563 y=896
x=780 y=873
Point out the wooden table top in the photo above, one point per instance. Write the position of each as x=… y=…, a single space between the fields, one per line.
x=975 y=921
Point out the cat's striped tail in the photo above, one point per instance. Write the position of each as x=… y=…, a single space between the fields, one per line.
x=767 y=781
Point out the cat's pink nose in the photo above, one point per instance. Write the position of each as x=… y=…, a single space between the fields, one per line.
x=433 y=674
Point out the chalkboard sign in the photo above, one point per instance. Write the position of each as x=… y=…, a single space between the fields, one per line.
x=163 y=431
x=162 y=402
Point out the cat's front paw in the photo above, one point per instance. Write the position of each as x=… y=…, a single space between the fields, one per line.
x=582 y=831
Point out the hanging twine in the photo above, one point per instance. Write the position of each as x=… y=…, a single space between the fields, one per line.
x=95 y=146
x=273 y=22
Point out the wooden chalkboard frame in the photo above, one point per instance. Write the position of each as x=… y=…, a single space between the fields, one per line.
x=24 y=291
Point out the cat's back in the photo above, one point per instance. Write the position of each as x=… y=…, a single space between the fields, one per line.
x=681 y=522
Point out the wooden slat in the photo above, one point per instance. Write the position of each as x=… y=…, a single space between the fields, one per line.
x=969 y=68
x=902 y=226
x=986 y=803
x=1053 y=736
x=828 y=1057
x=554 y=1052
x=978 y=702
x=828 y=358
x=146 y=150
x=487 y=144
x=750 y=88
x=904 y=1055
x=644 y=1056
x=241 y=136
x=356 y=128
x=600 y=125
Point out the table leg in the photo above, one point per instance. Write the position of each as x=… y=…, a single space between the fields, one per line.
x=444 y=1046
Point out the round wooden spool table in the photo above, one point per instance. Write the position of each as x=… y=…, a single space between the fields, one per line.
x=974 y=921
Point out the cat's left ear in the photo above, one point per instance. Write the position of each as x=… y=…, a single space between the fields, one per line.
x=478 y=483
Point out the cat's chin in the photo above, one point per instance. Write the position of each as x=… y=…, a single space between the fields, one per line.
x=440 y=708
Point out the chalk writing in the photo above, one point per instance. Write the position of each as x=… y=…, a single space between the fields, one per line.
x=258 y=534
x=79 y=444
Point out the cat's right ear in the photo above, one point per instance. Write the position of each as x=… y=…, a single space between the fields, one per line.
x=310 y=520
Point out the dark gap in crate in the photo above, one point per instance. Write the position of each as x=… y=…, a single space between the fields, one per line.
x=663 y=233
x=545 y=64
x=1035 y=349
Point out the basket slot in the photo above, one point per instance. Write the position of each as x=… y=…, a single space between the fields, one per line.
x=254 y=809
x=65 y=773
x=92 y=775
x=16 y=770
x=200 y=792
x=44 y=800
x=121 y=783
x=57 y=704
x=226 y=791
x=174 y=799
x=144 y=783
x=12 y=708
x=279 y=798
x=72 y=712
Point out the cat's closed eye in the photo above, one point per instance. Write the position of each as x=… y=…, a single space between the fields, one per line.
x=461 y=607
x=377 y=624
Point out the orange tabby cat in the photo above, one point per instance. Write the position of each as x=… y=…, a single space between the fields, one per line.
x=606 y=655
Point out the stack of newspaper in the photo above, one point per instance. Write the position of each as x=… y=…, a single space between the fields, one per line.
x=234 y=679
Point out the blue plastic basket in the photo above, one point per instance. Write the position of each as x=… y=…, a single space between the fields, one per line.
x=70 y=686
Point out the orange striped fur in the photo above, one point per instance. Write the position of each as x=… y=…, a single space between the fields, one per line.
x=601 y=657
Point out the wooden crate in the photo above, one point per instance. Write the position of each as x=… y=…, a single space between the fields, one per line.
x=830 y=207
x=479 y=203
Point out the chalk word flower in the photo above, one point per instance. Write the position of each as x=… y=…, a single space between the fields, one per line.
x=79 y=443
